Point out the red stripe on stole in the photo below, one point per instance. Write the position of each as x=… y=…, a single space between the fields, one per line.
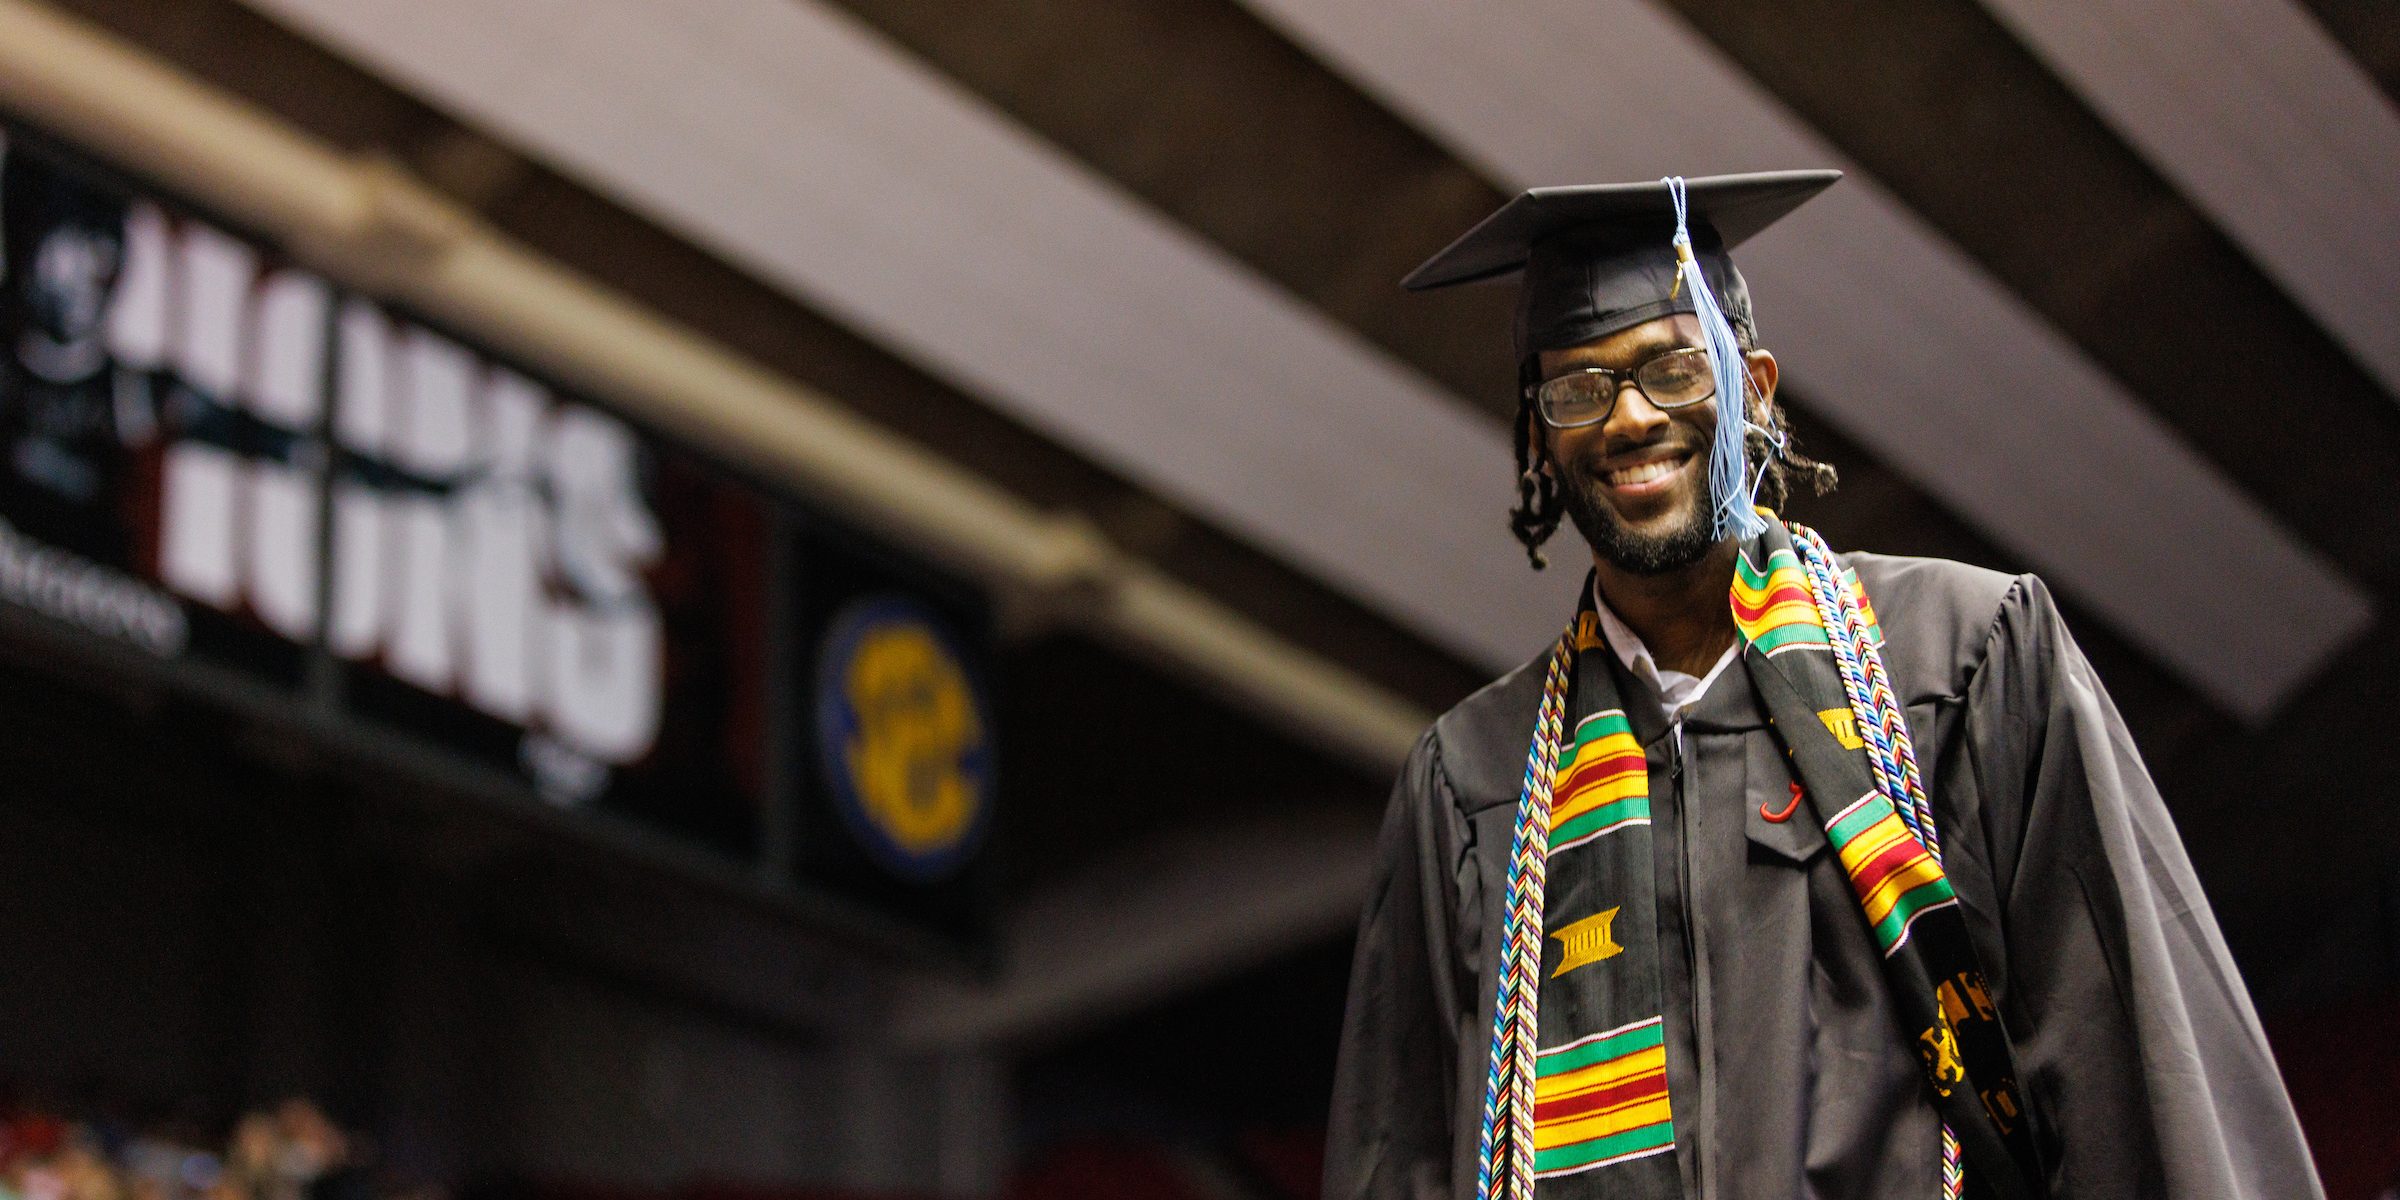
x=1593 y=772
x=1891 y=858
x=1640 y=1088
x=1779 y=594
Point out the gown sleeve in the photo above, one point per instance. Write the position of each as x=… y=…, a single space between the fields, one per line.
x=2135 y=1039
x=1390 y=1132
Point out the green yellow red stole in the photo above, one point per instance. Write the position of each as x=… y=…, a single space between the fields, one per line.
x=1576 y=1099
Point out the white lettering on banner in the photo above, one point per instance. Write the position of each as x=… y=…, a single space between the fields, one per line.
x=85 y=594
x=197 y=516
x=286 y=372
x=200 y=514
x=502 y=520
x=362 y=426
x=604 y=652
x=437 y=378
x=137 y=309
x=214 y=274
x=495 y=549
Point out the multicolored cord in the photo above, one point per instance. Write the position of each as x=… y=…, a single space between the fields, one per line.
x=1508 y=1089
x=1883 y=726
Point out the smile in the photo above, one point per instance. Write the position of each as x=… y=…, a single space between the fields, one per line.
x=1648 y=476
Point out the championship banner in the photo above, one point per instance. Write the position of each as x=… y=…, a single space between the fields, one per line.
x=209 y=452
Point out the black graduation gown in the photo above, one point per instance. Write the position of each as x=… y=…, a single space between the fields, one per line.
x=2135 y=1041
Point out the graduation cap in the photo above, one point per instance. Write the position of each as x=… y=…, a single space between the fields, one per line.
x=1599 y=258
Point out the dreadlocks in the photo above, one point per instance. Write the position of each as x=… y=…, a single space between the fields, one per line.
x=1540 y=507
x=1541 y=504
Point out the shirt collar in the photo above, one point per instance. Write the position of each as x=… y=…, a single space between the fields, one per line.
x=1676 y=691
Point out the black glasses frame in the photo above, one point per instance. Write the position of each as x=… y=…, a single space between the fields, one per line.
x=1617 y=380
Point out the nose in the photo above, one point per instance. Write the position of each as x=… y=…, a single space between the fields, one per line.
x=1634 y=420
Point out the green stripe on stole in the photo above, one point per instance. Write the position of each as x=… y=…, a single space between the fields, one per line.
x=1555 y=1062
x=1602 y=817
x=1911 y=902
x=1648 y=1137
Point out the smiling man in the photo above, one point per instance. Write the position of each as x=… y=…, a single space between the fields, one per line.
x=1784 y=873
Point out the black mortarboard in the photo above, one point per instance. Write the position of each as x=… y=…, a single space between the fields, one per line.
x=1599 y=258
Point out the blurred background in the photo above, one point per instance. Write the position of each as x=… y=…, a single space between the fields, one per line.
x=769 y=599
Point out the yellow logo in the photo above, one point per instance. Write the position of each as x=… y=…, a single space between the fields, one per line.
x=1843 y=725
x=905 y=738
x=1964 y=999
x=1586 y=941
x=1939 y=1047
x=1587 y=632
x=2001 y=1102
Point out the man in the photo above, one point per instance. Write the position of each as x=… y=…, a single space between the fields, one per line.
x=1784 y=873
x=68 y=413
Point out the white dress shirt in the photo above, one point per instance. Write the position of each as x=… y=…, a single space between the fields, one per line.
x=1676 y=690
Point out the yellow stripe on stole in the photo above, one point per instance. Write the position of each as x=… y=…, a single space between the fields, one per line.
x=1598 y=1075
x=1606 y=746
x=1782 y=578
x=1784 y=612
x=1608 y=789
x=1777 y=618
x=1871 y=841
x=1858 y=592
x=1779 y=577
x=1632 y=1115
x=1907 y=877
x=1918 y=869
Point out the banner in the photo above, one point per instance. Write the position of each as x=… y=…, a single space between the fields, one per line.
x=211 y=454
x=208 y=451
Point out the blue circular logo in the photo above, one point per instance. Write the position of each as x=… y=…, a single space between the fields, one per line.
x=904 y=737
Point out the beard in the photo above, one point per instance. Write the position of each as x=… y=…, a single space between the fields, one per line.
x=1680 y=546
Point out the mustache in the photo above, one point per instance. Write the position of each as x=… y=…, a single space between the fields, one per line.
x=1607 y=453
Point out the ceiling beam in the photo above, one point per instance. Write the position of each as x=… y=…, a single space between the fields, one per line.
x=2257 y=115
x=796 y=142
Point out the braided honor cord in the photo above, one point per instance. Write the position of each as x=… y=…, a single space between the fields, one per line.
x=1881 y=723
x=1884 y=728
x=1508 y=1089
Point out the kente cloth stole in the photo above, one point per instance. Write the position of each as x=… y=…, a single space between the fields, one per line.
x=1576 y=1099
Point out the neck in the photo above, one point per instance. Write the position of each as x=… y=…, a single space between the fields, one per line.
x=1683 y=616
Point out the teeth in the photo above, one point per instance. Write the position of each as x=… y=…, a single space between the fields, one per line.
x=1641 y=473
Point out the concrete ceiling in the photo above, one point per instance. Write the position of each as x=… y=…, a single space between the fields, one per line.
x=2260 y=116
x=794 y=141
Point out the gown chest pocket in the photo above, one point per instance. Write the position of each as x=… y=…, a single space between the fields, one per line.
x=1783 y=829
x=1780 y=824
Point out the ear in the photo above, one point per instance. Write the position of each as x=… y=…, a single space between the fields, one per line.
x=1764 y=374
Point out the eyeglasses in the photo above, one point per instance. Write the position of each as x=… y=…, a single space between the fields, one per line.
x=1678 y=378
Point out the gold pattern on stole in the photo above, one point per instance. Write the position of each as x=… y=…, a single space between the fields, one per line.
x=1843 y=725
x=1587 y=941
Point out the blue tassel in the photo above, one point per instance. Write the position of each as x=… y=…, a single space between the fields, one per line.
x=1732 y=489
